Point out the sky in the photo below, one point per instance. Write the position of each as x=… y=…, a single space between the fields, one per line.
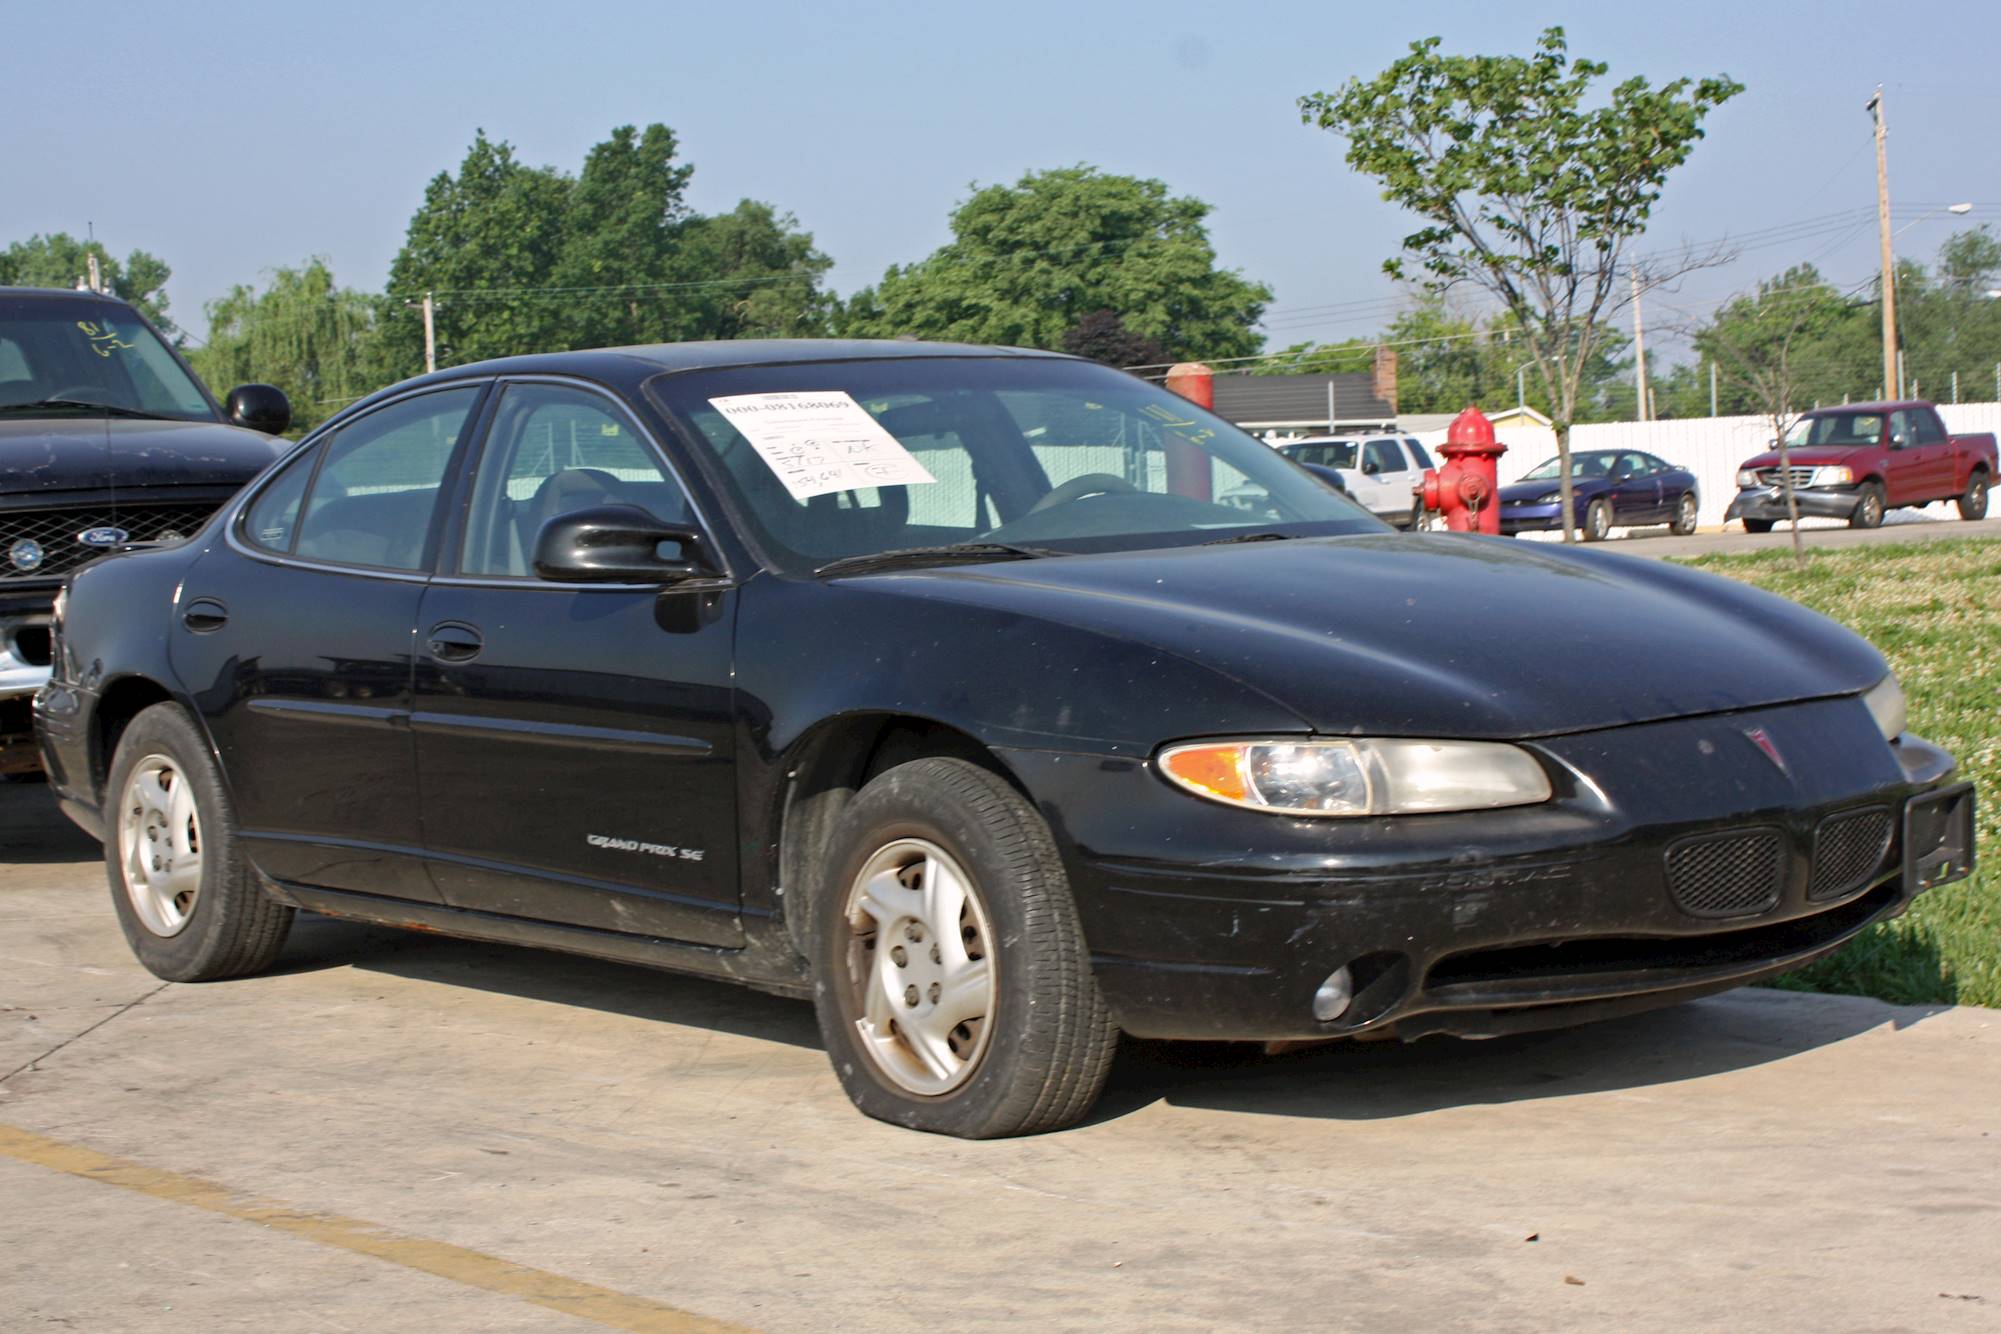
x=232 y=138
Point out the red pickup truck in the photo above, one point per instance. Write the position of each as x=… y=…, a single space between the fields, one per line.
x=1859 y=460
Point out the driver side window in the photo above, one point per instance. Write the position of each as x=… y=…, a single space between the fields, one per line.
x=554 y=450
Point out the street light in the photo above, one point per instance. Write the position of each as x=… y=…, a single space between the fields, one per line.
x=1957 y=210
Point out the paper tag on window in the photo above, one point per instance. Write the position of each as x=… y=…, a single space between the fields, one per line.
x=820 y=442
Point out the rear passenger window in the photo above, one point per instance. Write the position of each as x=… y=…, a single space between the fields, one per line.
x=273 y=518
x=1416 y=448
x=372 y=501
x=1381 y=456
x=1930 y=430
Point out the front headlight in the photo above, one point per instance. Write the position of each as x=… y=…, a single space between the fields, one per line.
x=1747 y=477
x=1831 y=477
x=1354 y=777
x=1885 y=702
x=1549 y=499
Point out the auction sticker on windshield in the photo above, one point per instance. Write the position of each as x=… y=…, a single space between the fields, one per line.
x=821 y=442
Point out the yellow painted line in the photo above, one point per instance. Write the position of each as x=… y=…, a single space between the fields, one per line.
x=475 y=1269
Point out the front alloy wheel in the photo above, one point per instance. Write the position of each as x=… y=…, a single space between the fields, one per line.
x=918 y=972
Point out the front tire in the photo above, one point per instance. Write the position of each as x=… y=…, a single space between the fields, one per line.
x=1973 y=501
x=1868 y=508
x=189 y=904
x=1598 y=521
x=951 y=978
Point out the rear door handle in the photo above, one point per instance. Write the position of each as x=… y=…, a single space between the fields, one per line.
x=204 y=616
x=455 y=641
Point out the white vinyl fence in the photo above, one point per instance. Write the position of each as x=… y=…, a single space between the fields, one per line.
x=1710 y=447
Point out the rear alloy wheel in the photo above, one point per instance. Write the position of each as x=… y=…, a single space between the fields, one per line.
x=951 y=978
x=1973 y=501
x=1684 y=517
x=190 y=906
x=1598 y=521
x=1868 y=508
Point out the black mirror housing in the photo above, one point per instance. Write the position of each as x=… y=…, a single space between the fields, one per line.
x=618 y=544
x=260 y=407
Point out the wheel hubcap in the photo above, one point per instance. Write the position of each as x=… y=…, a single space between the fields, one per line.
x=920 y=973
x=160 y=845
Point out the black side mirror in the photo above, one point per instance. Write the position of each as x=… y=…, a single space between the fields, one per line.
x=619 y=544
x=1370 y=467
x=261 y=407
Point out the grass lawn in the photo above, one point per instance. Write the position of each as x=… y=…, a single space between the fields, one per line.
x=1934 y=609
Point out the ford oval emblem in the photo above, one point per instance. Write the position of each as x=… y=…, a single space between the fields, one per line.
x=25 y=555
x=102 y=537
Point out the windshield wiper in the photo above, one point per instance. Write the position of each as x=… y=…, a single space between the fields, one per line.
x=1247 y=537
x=956 y=553
x=109 y=409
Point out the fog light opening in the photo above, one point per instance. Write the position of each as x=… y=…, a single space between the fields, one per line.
x=1334 y=996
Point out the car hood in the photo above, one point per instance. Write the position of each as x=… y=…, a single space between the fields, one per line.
x=93 y=454
x=1435 y=634
x=1812 y=457
x=1516 y=492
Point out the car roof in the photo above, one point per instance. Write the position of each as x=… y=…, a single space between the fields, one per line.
x=1881 y=405
x=64 y=293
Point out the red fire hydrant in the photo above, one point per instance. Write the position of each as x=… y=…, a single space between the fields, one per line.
x=1464 y=490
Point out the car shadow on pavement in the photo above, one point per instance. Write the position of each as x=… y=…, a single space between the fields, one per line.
x=33 y=832
x=1363 y=1081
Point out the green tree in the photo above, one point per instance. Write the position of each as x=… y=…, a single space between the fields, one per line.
x=1523 y=192
x=754 y=274
x=489 y=237
x=1351 y=356
x=60 y=260
x=1949 y=325
x=302 y=333
x=1027 y=262
x=1103 y=337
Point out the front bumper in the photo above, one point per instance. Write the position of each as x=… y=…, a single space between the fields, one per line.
x=1769 y=503
x=1531 y=518
x=1485 y=923
x=24 y=668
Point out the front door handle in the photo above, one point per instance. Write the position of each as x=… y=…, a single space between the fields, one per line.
x=455 y=641
x=204 y=616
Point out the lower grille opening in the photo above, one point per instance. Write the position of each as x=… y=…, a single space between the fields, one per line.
x=1728 y=875
x=31 y=645
x=1612 y=954
x=1847 y=851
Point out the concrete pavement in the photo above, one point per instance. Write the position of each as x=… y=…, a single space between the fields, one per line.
x=395 y=1131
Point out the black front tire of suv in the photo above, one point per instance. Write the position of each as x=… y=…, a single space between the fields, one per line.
x=1044 y=1060
x=225 y=925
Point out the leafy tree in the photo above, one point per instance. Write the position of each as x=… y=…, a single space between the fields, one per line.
x=1103 y=336
x=302 y=333
x=1352 y=356
x=1027 y=262
x=531 y=259
x=1524 y=192
x=1949 y=325
x=753 y=274
x=59 y=260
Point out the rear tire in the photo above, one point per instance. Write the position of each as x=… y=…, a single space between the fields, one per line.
x=1598 y=521
x=1757 y=525
x=951 y=978
x=1868 y=508
x=188 y=902
x=1973 y=501
x=1684 y=517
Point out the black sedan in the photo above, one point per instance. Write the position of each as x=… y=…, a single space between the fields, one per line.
x=1609 y=488
x=938 y=684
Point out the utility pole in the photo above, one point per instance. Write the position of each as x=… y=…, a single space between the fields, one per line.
x=430 y=333
x=1640 y=351
x=1889 y=280
x=96 y=273
x=1712 y=386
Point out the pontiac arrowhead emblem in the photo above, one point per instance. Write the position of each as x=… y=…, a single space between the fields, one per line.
x=1762 y=739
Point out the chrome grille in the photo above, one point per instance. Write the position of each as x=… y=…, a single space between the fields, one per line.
x=1847 y=852
x=53 y=534
x=1774 y=477
x=1727 y=875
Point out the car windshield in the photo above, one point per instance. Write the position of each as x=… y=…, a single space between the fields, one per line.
x=826 y=460
x=1324 y=453
x=1836 y=428
x=1597 y=464
x=91 y=352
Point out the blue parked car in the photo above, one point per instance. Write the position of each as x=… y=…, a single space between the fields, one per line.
x=1610 y=488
